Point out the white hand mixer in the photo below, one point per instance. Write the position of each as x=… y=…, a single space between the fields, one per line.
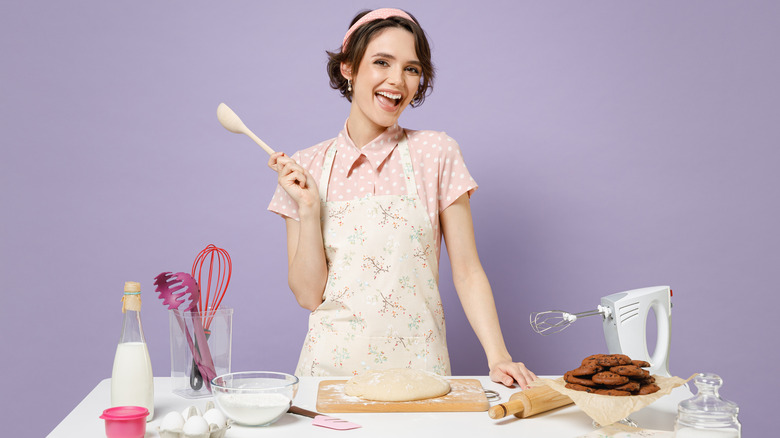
x=624 y=317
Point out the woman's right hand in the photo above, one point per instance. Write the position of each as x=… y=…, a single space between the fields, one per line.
x=295 y=180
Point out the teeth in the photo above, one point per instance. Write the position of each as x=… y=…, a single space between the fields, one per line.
x=389 y=95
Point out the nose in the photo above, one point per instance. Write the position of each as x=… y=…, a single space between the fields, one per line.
x=396 y=76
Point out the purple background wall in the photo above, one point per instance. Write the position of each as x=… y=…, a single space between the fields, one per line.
x=617 y=145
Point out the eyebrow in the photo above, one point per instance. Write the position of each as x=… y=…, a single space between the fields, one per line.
x=389 y=56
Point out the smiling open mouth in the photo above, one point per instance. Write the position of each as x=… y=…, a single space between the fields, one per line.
x=389 y=98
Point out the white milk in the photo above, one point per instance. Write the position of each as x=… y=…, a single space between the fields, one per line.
x=132 y=382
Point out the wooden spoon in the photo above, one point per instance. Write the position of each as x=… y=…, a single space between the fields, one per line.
x=233 y=123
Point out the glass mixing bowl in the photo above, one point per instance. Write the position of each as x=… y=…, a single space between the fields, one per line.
x=254 y=398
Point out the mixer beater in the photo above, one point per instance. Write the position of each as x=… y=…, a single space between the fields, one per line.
x=553 y=321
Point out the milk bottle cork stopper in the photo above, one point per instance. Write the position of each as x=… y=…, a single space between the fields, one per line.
x=131 y=300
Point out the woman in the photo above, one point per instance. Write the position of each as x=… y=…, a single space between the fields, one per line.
x=365 y=213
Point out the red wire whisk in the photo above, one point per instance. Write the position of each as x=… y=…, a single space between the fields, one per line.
x=218 y=263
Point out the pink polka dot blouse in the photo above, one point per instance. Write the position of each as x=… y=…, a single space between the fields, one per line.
x=439 y=171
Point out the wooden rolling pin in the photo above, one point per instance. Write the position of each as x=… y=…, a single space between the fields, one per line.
x=529 y=402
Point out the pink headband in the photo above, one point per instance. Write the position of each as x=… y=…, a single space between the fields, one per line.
x=377 y=14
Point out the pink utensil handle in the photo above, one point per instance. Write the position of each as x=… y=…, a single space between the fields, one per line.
x=201 y=354
x=173 y=288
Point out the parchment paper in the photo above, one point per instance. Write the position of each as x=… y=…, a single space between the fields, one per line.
x=607 y=409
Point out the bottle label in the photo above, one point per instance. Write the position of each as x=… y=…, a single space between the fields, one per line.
x=131 y=301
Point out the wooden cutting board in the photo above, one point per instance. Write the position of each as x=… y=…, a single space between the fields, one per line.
x=466 y=395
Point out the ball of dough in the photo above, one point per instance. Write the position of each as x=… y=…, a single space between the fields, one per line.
x=397 y=385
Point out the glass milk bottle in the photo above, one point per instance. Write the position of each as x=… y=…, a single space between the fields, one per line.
x=707 y=415
x=132 y=382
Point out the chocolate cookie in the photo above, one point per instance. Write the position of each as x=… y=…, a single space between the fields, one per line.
x=645 y=380
x=648 y=389
x=630 y=371
x=577 y=387
x=569 y=378
x=609 y=378
x=612 y=360
x=586 y=370
x=611 y=374
x=612 y=392
x=593 y=358
x=631 y=386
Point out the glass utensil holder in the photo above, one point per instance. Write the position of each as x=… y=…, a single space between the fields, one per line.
x=218 y=325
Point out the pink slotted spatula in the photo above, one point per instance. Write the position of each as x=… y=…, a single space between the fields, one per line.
x=175 y=290
x=323 y=420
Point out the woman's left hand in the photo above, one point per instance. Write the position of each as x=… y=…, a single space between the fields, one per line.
x=509 y=372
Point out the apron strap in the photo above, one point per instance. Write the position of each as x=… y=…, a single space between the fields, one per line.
x=406 y=164
x=327 y=167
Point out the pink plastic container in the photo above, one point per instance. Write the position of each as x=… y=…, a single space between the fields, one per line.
x=125 y=421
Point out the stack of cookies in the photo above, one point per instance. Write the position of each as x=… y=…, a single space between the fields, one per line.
x=611 y=374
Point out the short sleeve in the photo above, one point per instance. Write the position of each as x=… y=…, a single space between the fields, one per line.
x=282 y=203
x=454 y=177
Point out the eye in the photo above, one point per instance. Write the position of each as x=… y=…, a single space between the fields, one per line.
x=413 y=70
x=381 y=62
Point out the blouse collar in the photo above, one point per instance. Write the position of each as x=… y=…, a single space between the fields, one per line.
x=376 y=151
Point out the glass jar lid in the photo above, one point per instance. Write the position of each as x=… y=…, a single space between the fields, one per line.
x=707 y=408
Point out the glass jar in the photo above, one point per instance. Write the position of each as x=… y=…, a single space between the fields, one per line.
x=707 y=414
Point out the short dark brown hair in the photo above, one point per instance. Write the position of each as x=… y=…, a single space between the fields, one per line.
x=356 y=46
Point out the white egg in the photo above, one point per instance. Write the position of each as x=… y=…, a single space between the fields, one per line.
x=172 y=421
x=195 y=426
x=215 y=416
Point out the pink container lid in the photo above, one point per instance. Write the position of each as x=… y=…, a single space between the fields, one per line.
x=125 y=413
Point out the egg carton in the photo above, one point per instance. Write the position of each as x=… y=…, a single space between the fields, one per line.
x=214 y=430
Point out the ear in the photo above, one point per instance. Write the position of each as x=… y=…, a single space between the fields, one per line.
x=346 y=70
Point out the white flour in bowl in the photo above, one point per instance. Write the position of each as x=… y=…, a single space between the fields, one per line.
x=253 y=409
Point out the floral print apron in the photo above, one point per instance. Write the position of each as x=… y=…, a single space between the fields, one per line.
x=381 y=305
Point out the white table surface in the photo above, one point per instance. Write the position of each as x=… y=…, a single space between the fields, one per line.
x=566 y=422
